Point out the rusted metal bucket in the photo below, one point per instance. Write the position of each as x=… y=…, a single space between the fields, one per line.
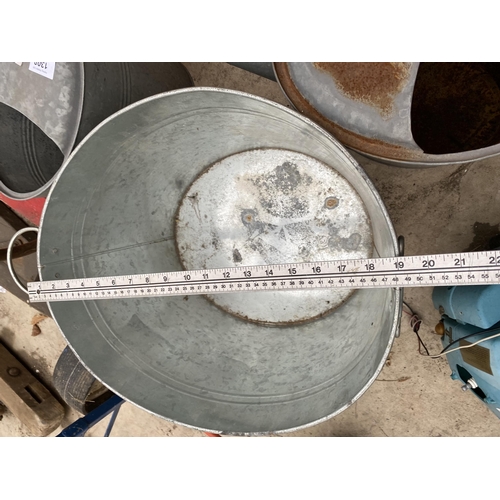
x=404 y=114
x=44 y=116
x=205 y=178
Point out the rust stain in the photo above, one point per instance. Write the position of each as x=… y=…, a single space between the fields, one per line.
x=278 y=324
x=351 y=139
x=375 y=84
x=331 y=202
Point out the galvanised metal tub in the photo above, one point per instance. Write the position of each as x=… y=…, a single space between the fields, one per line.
x=43 y=117
x=207 y=177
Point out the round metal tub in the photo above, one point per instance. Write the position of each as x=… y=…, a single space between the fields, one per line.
x=201 y=177
x=42 y=118
x=404 y=114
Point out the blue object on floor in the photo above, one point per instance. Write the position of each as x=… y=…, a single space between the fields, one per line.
x=477 y=305
x=477 y=367
x=470 y=314
x=81 y=426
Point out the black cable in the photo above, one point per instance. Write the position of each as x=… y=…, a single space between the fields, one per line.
x=415 y=323
x=416 y=326
x=423 y=345
x=406 y=304
x=490 y=330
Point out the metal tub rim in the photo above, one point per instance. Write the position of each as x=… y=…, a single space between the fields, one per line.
x=408 y=158
x=397 y=296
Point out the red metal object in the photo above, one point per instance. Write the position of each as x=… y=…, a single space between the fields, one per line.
x=30 y=210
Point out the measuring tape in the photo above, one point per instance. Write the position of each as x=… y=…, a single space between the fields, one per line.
x=474 y=268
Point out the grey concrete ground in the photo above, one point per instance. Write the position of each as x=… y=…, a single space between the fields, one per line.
x=438 y=210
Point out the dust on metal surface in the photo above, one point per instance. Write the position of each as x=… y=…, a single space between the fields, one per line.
x=372 y=120
x=375 y=84
x=272 y=206
x=426 y=116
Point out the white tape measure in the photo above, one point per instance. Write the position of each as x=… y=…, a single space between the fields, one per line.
x=475 y=268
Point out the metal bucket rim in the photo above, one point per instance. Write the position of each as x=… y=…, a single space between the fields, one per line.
x=425 y=160
x=381 y=206
x=321 y=130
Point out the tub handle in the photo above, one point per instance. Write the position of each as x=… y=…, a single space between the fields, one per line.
x=9 y=255
x=401 y=252
x=401 y=246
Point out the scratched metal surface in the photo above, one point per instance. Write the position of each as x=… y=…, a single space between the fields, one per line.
x=272 y=206
x=41 y=120
x=185 y=359
x=54 y=105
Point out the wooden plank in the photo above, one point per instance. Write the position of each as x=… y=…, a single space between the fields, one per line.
x=26 y=397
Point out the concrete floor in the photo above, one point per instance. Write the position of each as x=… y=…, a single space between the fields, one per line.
x=438 y=210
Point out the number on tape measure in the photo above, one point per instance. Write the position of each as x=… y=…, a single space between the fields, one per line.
x=445 y=269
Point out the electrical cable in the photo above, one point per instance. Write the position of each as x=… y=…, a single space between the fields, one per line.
x=444 y=352
x=415 y=322
x=467 y=336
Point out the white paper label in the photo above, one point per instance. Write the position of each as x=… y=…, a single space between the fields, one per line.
x=19 y=64
x=45 y=69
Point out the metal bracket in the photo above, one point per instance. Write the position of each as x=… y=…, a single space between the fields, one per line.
x=81 y=426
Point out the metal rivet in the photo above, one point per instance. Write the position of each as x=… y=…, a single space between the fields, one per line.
x=14 y=372
x=331 y=202
x=57 y=275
